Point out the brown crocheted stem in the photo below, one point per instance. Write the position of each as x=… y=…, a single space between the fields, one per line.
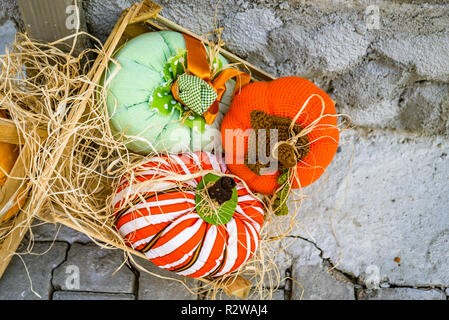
x=221 y=191
x=289 y=153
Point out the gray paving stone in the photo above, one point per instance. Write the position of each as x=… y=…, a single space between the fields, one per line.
x=316 y=283
x=400 y=294
x=303 y=252
x=277 y=262
x=278 y=295
x=154 y=288
x=312 y=281
x=90 y=268
x=150 y=287
x=51 y=232
x=15 y=284
x=70 y=295
x=274 y=295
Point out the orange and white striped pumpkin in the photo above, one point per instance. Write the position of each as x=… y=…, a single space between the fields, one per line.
x=159 y=219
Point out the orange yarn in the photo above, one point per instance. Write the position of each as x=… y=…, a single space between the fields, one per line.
x=161 y=220
x=283 y=97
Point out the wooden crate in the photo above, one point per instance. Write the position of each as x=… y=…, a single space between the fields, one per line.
x=12 y=190
x=45 y=20
x=9 y=192
x=140 y=18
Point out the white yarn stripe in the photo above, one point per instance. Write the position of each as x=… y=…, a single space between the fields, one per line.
x=253 y=222
x=217 y=263
x=247 y=245
x=181 y=164
x=232 y=248
x=220 y=259
x=148 y=239
x=205 y=252
x=141 y=187
x=142 y=241
x=240 y=210
x=182 y=260
x=196 y=159
x=175 y=242
x=222 y=163
x=142 y=222
x=159 y=204
x=258 y=209
x=248 y=242
x=192 y=215
x=246 y=197
x=213 y=161
x=254 y=233
x=164 y=173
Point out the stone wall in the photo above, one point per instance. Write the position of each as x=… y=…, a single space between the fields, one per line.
x=394 y=75
x=380 y=220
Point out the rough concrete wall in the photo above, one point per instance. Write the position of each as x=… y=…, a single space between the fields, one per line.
x=394 y=77
x=391 y=77
x=385 y=196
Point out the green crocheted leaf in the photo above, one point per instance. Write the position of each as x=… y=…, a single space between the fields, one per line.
x=219 y=215
x=280 y=203
x=283 y=178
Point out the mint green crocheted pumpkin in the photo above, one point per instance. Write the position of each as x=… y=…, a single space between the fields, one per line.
x=140 y=104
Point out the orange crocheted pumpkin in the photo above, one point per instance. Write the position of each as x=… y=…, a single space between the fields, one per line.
x=162 y=213
x=274 y=105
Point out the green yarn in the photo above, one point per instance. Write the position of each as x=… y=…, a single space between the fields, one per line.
x=280 y=203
